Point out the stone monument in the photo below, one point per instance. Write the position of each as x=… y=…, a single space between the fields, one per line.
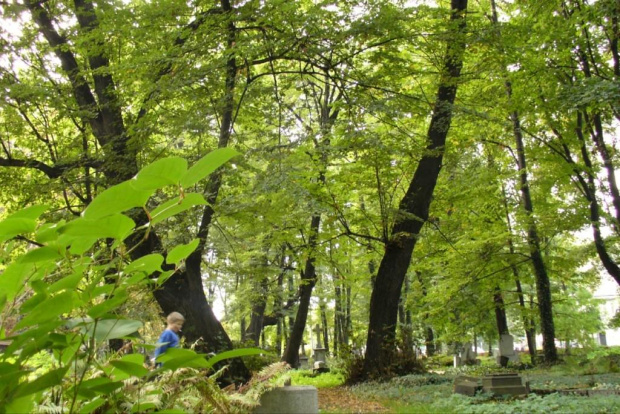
x=319 y=353
x=289 y=400
x=507 y=351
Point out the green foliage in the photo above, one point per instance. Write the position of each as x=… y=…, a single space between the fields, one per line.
x=66 y=291
x=330 y=379
x=432 y=393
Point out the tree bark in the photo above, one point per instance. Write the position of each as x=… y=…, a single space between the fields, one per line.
x=543 y=285
x=414 y=208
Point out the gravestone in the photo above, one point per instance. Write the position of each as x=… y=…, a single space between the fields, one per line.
x=303 y=362
x=505 y=384
x=289 y=400
x=457 y=361
x=320 y=353
x=468 y=357
x=507 y=351
x=497 y=384
x=466 y=385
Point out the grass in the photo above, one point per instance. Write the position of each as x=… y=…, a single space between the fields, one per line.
x=325 y=380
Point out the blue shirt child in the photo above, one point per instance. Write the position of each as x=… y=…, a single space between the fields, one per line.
x=169 y=338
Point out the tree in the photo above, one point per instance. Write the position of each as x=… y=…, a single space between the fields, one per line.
x=413 y=207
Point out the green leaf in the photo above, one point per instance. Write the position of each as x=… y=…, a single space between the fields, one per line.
x=164 y=276
x=48 y=232
x=180 y=252
x=13 y=277
x=175 y=358
x=117 y=199
x=12 y=227
x=41 y=254
x=167 y=171
x=31 y=212
x=206 y=165
x=80 y=245
x=92 y=406
x=235 y=353
x=149 y=264
x=43 y=382
x=134 y=367
x=176 y=206
x=68 y=282
x=109 y=304
x=143 y=407
x=19 y=405
x=49 y=309
x=116 y=226
x=114 y=328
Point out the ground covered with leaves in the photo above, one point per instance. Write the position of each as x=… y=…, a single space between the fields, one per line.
x=433 y=392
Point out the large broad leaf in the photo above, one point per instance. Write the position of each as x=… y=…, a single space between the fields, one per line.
x=92 y=406
x=234 y=353
x=131 y=365
x=41 y=254
x=49 y=309
x=12 y=227
x=117 y=199
x=148 y=264
x=107 y=329
x=108 y=305
x=206 y=165
x=176 y=206
x=180 y=252
x=43 y=382
x=13 y=277
x=48 y=232
x=175 y=358
x=116 y=226
x=167 y=171
x=32 y=212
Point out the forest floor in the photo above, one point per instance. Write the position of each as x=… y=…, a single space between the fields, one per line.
x=552 y=390
x=342 y=400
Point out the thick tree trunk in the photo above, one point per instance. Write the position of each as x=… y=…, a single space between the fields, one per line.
x=183 y=292
x=500 y=312
x=200 y=322
x=414 y=208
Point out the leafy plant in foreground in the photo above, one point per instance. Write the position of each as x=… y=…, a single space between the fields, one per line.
x=64 y=289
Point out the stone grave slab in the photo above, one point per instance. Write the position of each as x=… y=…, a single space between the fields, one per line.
x=467 y=385
x=289 y=400
x=504 y=384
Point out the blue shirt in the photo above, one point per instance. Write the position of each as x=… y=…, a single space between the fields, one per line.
x=168 y=336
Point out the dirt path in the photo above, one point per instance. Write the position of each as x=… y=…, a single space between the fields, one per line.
x=340 y=399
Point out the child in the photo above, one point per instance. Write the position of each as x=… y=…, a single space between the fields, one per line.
x=170 y=338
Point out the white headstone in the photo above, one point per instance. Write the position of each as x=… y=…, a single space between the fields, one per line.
x=507 y=349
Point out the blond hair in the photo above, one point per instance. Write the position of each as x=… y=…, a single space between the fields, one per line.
x=175 y=317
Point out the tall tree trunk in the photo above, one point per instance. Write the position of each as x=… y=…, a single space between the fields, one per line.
x=308 y=280
x=101 y=111
x=525 y=319
x=325 y=325
x=414 y=208
x=258 y=313
x=404 y=319
x=543 y=285
x=308 y=277
x=500 y=312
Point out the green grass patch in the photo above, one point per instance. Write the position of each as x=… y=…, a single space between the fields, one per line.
x=324 y=380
